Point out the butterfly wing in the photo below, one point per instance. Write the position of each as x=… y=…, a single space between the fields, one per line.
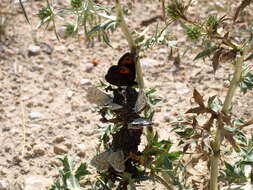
x=141 y=101
x=120 y=76
x=96 y=96
x=128 y=60
x=138 y=123
x=117 y=161
x=100 y=161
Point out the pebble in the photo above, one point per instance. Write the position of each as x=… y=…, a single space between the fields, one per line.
x=36 y=183
x=88 y=67
x=33 y=50
x=84 y=81
x=4 y=185
x=35 y=115
x=68 y=145
x=59 y=139
x=38 y=150
x=62 y=32
x=60 y=149
x=70 y=93
x=81 y=150
x=46 y=48
x=167 y=118
x=16 y=160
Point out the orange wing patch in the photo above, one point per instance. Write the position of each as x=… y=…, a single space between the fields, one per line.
x=124 y=70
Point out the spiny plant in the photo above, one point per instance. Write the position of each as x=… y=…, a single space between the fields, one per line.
x=208 y=138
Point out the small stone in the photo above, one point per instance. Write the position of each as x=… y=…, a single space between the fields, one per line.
x=33 y=50
x=46 y=48
x=38 y=150
x=3 y=171
x=36 y=183
x=7 y=148
x=16 y=160
x=81 y=150
x=28 y=154
x=59 y=139
x=68 y=145
x=35 y=115
x=167 y=118
x=62 y=32
x=60 y=149
x=88 y=67
x=84 y=81
x=4 y=185
x=56 y=162
x=70 y=93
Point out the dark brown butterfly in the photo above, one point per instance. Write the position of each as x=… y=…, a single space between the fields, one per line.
x=124 y=73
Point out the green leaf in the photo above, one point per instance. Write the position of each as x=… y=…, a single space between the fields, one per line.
x=186 y=134
x=213 y=105
x=246 y=82
x=106 y=39
x=206 y=52
x=81 y=171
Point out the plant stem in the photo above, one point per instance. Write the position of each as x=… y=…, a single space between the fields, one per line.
x=225 y=109
x=131 y=42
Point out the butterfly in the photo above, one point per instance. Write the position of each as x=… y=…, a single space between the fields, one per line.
x=103 y=161
x=124 y=73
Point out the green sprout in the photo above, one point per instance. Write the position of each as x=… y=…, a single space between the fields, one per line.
x=44 y=14
x=176 y=10
x=71 y=30
x=193 y=32
x=211 y=21
x=76 y=4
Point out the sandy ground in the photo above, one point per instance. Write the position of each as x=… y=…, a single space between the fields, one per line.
x=43 y=109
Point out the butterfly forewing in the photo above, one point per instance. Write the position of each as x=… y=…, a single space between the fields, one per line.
x=96 y=96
